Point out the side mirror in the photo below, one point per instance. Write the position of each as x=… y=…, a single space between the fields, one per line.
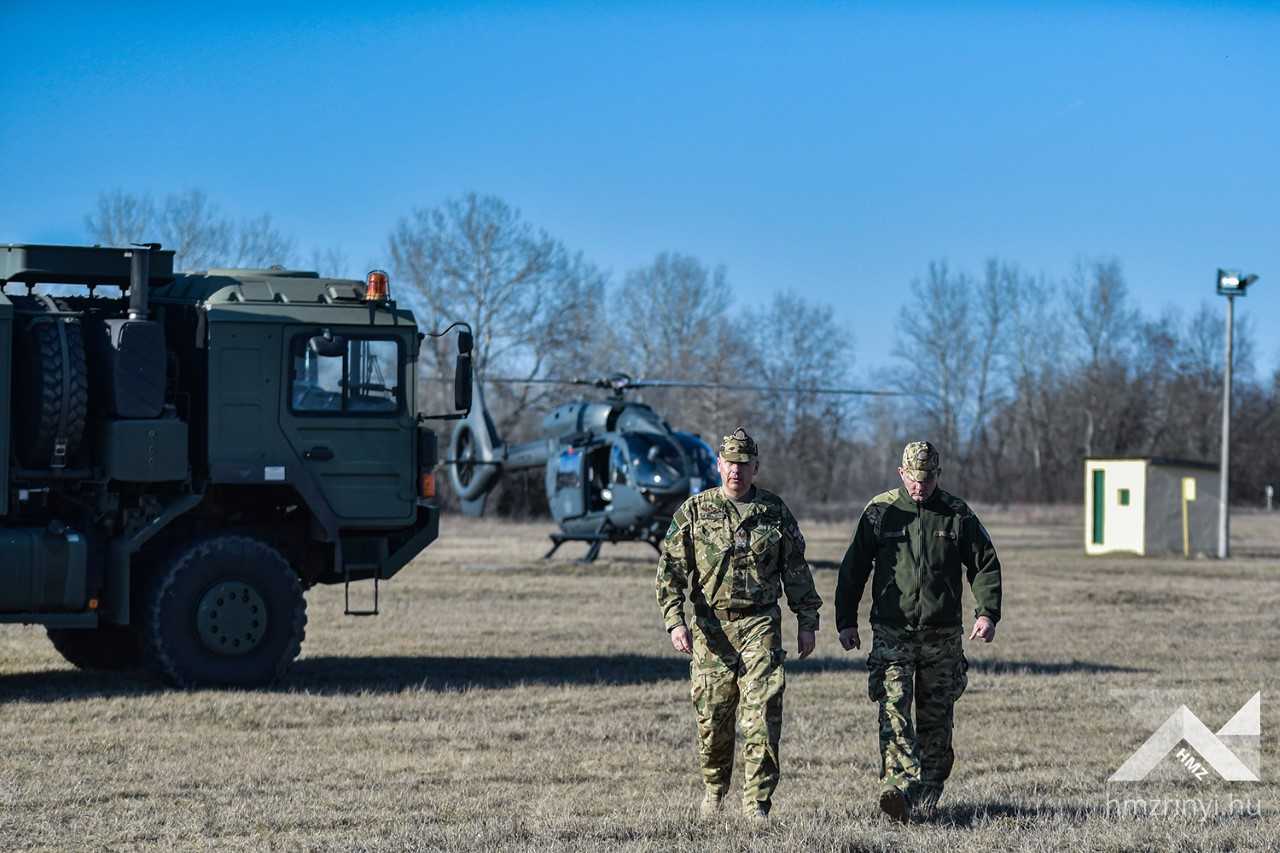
x=462 y=372
x=327 y=345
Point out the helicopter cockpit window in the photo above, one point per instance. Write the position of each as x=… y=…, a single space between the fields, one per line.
x=617 y=465
x=704 y=462
x=360 y=377
x=654 y=460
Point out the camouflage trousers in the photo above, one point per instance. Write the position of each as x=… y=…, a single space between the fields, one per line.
x=927 y=667
x=737 y=677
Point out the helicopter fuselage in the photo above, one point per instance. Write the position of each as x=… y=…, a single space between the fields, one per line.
x=614 y=469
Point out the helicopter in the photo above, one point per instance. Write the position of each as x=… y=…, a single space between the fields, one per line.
x=616 y=471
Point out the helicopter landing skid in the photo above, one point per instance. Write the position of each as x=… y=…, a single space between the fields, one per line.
x=558 y=539
x=596 y=540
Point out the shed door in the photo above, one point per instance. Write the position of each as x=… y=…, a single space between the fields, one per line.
x=1099 y=503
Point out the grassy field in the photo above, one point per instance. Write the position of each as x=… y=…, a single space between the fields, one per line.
x=503 y=702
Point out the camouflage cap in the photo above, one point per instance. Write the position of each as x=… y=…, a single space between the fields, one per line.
x=920 y=460
x=739 y=447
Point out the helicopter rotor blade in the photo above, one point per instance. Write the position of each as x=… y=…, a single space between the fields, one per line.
x=788 y=389
x=511 y=380
x=621 y=382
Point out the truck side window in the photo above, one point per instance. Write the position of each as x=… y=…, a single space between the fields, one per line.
x=364 y=378
x=373 y=375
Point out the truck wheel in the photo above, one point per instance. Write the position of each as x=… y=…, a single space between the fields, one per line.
x=52 y=384
x=111 y=647
x=228 y=610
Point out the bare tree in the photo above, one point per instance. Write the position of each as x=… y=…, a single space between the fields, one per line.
x=1099 y=301
x=258 y=243
x=668 y=313
x=938 y=351
x=525 y=295
x=670 y=321
x=331 y=263
x=802 y=346
x=192 y=226
x=121 y=218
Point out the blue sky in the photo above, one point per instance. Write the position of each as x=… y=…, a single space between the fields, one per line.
x=830 y=149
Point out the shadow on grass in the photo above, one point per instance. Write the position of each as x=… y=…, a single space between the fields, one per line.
x=966 y=815
x=391 y=674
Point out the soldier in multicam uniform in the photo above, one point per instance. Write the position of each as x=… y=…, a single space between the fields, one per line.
x=739 y=548
x=917 y=538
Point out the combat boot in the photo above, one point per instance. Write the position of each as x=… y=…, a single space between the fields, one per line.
x=925 y=804
x=894 y=805
x=757 y=814
x=710 y=805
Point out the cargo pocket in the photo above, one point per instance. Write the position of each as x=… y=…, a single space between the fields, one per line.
x=961 y=678
x=875 y=678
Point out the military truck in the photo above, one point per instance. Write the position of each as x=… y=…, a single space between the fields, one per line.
x=182 y=455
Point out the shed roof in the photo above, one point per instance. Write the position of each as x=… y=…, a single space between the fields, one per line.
x=1168 y=461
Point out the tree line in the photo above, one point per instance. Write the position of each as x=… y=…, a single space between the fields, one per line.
x=1015 y=376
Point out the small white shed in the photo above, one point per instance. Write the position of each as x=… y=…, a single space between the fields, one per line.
x=1150 y=505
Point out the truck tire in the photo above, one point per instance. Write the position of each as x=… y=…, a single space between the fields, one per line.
x=51 y=393
x=110 y=647
x=226 y=611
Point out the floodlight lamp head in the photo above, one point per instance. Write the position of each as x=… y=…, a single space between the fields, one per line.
x=1233 y=282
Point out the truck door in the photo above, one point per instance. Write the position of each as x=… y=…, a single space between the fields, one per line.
x=348 y=420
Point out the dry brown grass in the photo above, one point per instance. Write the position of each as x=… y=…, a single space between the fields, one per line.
x=504 y=702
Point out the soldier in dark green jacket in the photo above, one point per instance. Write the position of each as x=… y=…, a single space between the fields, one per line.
x=921 y=542
x=736 y=548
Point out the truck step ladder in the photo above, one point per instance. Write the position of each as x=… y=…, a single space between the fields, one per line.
x=346 y=594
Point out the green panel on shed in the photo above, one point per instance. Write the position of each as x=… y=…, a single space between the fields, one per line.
x=1099 y=504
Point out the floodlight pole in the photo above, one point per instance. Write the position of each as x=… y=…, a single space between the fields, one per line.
x=1224 y=506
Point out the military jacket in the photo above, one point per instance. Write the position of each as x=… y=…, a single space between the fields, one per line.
x=919 y=553
x=731 y=560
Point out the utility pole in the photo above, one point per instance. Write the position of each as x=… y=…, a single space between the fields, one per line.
x=1224 y=504
x=1230 y=284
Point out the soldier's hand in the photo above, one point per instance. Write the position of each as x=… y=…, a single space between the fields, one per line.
x=681 y=639
x=806 y=640
x=983 y=629
x=849 y=639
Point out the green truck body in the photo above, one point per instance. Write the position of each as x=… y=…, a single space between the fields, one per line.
x=181 y=457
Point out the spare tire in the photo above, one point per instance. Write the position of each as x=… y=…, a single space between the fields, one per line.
x=51 y=385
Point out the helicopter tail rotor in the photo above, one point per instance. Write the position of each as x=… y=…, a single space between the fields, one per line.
x=474 y=453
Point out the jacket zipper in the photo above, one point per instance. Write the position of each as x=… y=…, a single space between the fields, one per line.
x=919 y=564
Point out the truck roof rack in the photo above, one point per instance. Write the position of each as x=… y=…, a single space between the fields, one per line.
x=31 y=263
